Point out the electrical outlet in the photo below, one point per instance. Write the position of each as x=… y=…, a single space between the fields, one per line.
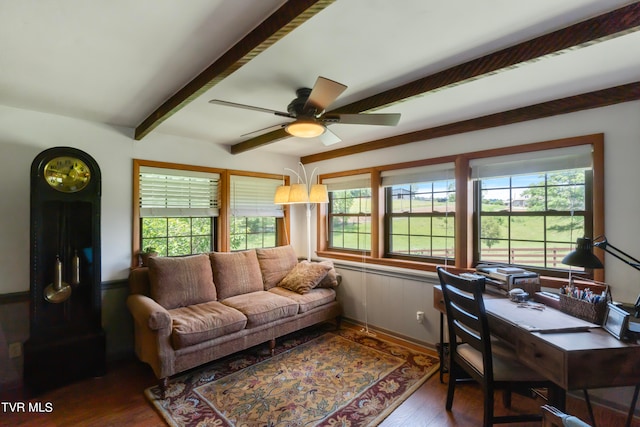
x=420 y=316
x=15 y=350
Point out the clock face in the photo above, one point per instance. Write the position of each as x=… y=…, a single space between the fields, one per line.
x=67 y=174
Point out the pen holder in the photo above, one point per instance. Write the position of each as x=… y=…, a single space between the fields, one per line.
x=585 y=310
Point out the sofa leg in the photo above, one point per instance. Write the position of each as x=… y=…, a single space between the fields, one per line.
x=338 y=322
x=164 y=383
x=272 y=346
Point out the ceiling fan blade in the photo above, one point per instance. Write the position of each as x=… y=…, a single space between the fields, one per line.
x=249 y=107
x=390 y=119
x=329 y=138
x=324 y=92
x=268 y=128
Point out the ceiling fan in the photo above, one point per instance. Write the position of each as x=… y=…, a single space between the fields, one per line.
x=308 y=110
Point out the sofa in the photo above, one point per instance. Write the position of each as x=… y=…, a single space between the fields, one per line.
x=191 y=310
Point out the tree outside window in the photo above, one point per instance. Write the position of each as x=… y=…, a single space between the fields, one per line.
x=350 y=219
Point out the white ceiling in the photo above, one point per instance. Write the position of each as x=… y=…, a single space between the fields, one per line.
x=116 y=61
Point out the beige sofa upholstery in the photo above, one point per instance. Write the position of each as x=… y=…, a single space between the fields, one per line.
x=191 y=310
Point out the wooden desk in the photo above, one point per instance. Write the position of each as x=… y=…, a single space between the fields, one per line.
x=572 y=360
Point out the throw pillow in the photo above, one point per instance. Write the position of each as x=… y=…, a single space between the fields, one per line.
x=331 y=279
x=236 y=273
x=275 y=264
x=304 y=277
x=181 y=281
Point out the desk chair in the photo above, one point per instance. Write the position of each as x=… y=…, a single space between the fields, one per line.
x=490 y=362
x=553 y=417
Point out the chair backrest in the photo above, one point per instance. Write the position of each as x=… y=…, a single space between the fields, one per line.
x=466 y=316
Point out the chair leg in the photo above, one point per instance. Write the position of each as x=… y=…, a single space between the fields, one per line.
x=453 y=376
x=506 y=398
x=589 y=407
x=488 y=405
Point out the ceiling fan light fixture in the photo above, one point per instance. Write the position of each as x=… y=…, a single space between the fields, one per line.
x=305 y=129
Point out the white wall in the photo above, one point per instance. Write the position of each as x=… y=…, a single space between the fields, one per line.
x=24 y=134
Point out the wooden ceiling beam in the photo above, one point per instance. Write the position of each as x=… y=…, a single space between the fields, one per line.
x=602 y=27
x=596 y=99
x=284 y=20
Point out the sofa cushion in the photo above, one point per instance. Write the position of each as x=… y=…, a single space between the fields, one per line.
x=304 y=276
x=236 y=273
x=312 y=299
x=181 y=281
x=331 y=279
x=262 y=307
x=275 y=264
x=202 y=322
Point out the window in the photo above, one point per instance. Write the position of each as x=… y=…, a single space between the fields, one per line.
x=419 y=207
x=254 y=216
x=177 y=208
x=532 y=208
x=349 y=212
x=525 y=204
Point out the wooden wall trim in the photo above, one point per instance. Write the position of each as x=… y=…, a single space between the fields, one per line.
x=598 y=195
x=25 y=296
x=15 y=298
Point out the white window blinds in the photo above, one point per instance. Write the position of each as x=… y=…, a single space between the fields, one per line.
x=348 y=182
x=419 y=174
x=178 y=193
x=253 y=196
x=577 y=157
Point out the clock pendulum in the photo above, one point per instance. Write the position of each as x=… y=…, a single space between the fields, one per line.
x=58 y=291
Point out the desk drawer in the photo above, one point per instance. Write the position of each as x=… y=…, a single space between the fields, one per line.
x=547 y=360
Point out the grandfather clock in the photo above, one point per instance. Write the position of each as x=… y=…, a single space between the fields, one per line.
x=67 y=341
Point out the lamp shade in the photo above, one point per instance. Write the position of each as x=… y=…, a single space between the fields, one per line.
x=298 y=194
x=319 y=194
x=582 y=255
x=305 y=129
x=282 y=195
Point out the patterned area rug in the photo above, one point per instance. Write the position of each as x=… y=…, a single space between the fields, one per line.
x=339 y=378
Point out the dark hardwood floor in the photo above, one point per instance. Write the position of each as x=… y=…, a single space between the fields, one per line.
x=117 y=400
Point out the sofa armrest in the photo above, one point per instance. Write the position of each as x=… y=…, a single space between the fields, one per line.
x=152 y=334
x=146 y=311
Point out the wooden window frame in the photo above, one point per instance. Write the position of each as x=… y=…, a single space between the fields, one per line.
x=224 y=218
x=464 y=224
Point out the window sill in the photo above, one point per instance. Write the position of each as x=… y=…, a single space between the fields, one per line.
x=545 y=281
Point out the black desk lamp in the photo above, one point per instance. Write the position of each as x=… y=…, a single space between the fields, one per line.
x=602 y=243
x=621 y=255
x=582 y=255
